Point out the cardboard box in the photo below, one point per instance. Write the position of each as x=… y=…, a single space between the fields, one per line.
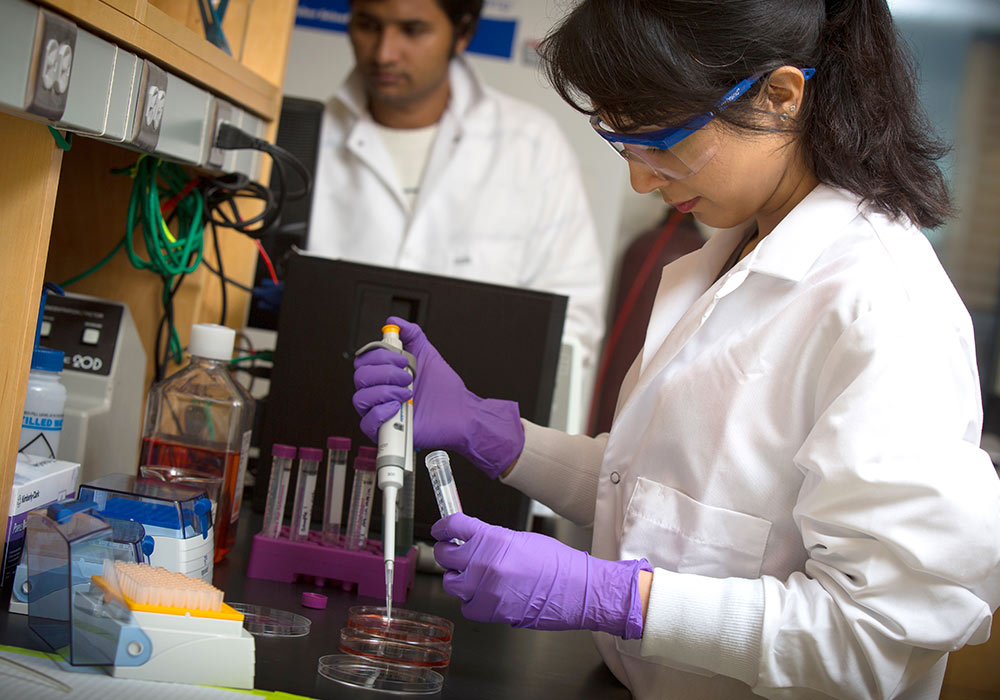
x=38 y=481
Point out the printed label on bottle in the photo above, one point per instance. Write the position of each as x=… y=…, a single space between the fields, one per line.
x=42 y=421
x=240 y=476
x=40 y=433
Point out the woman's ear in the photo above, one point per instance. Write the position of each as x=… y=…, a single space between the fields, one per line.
x=783 y=93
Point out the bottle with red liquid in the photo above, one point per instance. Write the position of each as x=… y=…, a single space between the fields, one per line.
x=198 y=425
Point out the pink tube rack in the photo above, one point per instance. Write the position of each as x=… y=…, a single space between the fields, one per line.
x=280 y=559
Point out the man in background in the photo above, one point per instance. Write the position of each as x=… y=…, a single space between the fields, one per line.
x=423 y=167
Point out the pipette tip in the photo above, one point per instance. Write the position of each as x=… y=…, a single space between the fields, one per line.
x=388 y=588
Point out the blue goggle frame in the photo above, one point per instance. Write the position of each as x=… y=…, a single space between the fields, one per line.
x=671 y=136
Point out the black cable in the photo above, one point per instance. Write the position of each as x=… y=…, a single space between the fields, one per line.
x=222 y=274
x=226 y=190
x=229 y=280
x=166 y=321
x=250 y=351
x=229 y=137
x=279 y=155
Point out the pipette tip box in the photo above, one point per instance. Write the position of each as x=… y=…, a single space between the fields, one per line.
x=280 y=559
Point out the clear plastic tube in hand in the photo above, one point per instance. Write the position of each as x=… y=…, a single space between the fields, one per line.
x=305 y=489
x=277 y=489
x=336 y=475
x=362 y=495
x=439 y=467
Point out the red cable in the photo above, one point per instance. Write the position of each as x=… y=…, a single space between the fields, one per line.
x=260 y=248
x=627 y=306
x=172 y=202
x=267 y=260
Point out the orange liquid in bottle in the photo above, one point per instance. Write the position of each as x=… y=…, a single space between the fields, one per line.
x=217 y=463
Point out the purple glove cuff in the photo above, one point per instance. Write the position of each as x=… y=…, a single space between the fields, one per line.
x=494 y=436
x=634 y=623
x=613 y=602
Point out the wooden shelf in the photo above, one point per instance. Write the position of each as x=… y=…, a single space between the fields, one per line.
x=57 y=212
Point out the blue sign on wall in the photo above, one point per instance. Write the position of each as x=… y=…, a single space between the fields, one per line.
x=330 y=15
x=494 y=37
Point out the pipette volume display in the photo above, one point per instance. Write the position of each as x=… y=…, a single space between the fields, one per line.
x=277 y=489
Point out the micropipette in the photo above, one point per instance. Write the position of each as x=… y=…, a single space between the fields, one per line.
x=394 y=457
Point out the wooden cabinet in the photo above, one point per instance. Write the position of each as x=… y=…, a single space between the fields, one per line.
x=62 y=212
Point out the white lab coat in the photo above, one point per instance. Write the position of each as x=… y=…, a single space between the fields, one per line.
x=795 y=451
x=502 y=200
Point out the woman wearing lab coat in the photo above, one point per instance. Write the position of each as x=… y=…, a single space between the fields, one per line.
x=791 y=501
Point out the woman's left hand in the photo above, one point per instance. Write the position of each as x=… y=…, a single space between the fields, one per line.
x=530 y=580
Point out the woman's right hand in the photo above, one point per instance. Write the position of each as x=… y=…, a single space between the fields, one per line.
x=446 y=414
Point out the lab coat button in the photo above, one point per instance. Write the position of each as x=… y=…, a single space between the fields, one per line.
x=615 y=477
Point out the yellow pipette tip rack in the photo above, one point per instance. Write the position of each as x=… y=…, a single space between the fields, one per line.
x=145 y=588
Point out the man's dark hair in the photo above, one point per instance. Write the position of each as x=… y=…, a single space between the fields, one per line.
x=464 y=15
x=660 y=62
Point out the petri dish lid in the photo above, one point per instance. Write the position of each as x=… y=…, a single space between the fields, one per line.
x=270 y=622
x=370 y=674
x=405 y=625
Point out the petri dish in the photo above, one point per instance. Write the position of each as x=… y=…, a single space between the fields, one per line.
x=270 y=622
x=426 y=654
x=404 y=625
x=358 y=672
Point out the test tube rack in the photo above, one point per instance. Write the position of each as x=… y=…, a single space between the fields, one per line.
x=281 y=559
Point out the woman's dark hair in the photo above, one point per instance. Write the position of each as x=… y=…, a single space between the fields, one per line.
x=661 y=62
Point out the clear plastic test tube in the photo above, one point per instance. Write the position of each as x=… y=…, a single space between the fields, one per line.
x=277 y=489
x=336 y=475
x=439 y=467
x=362 y=496
x=305 y=489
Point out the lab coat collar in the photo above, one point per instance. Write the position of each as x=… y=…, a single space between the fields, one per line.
x=682 y=303
x=798 y=240
x=468 y=92
x=468 y=95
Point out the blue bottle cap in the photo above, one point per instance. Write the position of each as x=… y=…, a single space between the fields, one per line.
x=47 y=360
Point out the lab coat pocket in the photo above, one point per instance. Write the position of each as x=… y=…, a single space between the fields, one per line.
x=676 y=532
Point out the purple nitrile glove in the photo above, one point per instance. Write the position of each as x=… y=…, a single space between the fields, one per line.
x=530 y=580
x=447 y=416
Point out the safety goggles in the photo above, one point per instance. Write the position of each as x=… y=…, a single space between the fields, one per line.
x=668 y=152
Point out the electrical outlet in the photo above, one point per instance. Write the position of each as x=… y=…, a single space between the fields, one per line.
x=224 y=113
x=184 y=122
x=248 y=160
x=88 y=96
x=51 y=66
x=149 y=109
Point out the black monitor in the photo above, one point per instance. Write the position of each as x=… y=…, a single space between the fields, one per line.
x=503 y=341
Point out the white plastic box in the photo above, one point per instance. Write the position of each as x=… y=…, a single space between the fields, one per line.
x=38 y=481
